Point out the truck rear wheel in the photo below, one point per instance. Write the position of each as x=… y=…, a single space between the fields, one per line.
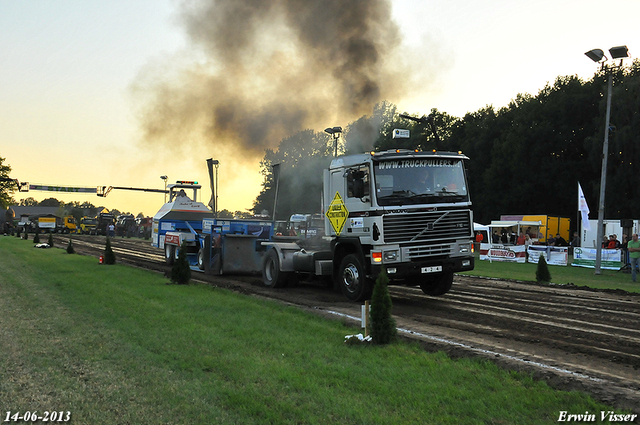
x=437 y=285
x=272 y=276
x=352 y=279
x=169 y=254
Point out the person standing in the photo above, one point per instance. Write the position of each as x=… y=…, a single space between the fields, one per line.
x=634 y=254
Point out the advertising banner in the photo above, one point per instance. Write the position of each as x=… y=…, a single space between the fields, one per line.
x=555 y=255
x=509 y=253
x=586 y=257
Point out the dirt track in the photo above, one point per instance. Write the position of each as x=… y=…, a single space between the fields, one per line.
x=572 y=338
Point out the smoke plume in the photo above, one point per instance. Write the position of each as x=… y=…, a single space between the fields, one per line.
x=259 y=70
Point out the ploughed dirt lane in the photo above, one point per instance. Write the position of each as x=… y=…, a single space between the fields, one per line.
x=572 y=338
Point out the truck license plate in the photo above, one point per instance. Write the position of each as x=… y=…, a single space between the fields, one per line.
x=433 y=269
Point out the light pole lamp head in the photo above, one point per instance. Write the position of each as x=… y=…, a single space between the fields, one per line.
x=619 y=52
x=333 y=131
x=595 y=55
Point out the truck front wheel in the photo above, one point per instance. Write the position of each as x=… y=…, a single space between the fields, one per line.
x=437 y=285
x=352 y=279
x=272 y=276
x=169 y=254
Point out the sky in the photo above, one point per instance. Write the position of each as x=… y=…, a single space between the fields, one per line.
x=120 y=93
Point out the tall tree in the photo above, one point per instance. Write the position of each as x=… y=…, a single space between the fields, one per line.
x=7 y=185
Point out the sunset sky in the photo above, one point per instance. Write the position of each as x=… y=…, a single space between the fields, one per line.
x=119 y=93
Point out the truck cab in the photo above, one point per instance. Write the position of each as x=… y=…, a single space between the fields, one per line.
x=88 y=225
x=406 y=211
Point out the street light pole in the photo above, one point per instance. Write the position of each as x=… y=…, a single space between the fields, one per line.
x=603 y=176
x=597 y=55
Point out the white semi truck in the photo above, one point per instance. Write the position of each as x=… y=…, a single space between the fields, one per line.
x=406 y=211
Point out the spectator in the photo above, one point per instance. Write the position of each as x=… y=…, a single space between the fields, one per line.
x=634 y=255
x=521 y=239
x=559 y=241
x=618 y=244
x=527 y=241
x=612 y=243
x=550 y=240
x=575 y=242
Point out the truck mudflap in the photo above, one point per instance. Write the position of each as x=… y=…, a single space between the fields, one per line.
x=424 y=269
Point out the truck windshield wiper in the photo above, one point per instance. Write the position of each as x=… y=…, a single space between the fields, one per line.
x=399 y=194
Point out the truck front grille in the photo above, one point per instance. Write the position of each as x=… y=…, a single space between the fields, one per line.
x=435 y=227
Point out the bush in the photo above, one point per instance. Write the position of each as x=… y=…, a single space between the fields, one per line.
x=109 y=256
x=542 y=272
x=50 y=241
x=383 y=326
x=70 y=249
x=180 y=272
x=36 y=238
x=18 y=232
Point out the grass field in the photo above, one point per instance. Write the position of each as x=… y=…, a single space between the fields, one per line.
x=563 y=275
x=117 y=345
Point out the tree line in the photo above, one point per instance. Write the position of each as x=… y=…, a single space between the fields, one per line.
x=525 y=158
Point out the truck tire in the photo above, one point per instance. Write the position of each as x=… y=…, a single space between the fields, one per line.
x=169 y=254
x=272 y=276
x=201 y=259
x=438 y=285
x=352 y=279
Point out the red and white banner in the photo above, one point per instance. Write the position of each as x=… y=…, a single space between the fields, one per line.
x=556 y=255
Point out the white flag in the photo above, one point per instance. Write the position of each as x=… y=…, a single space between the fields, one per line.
x=583 y=208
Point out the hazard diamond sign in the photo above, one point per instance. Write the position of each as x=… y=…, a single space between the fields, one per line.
x=337 y=213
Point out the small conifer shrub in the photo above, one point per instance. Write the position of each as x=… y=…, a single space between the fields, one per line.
x=70 y=249
x=542 y=272
x=383 y=326
x=180 y=272
x=36 y=238
x=50 y=241
x=109 y=256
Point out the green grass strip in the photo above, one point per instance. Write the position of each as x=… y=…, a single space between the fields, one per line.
x=116 y=345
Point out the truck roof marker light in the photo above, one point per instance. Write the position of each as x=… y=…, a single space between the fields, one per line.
x=376 y=257
x=416 y=150
x=434 y=151
x=397 y=150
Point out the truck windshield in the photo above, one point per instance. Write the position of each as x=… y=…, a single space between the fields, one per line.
x=419 y=181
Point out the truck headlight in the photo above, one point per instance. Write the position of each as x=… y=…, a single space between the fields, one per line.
x=391 y=255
